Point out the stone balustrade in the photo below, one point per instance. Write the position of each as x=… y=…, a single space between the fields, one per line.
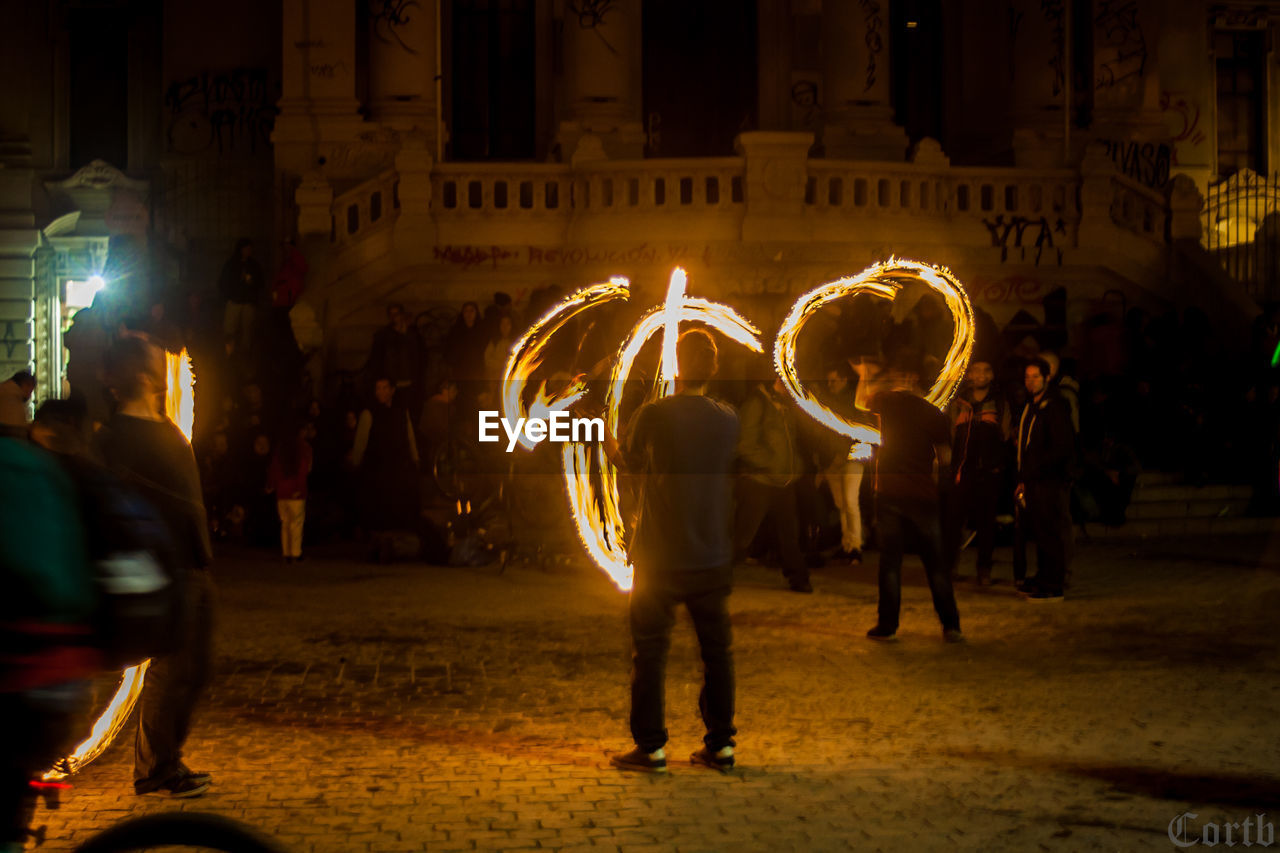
x=467 y=195
x=875 y=189
x=471 y=189
x=1138 y=208
x=373 y=204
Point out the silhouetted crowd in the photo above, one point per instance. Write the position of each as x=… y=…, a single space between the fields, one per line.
x=367 y=454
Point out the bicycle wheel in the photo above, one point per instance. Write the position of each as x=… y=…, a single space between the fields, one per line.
x=193 y=830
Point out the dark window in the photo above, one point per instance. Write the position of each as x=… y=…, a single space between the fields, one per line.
x=99 y=87
x=493 y=69
x=1241 y=58
x=699 y=75
x=916 y=78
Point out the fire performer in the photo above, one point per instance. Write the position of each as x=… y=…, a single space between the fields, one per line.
x=683 y=446
x=149 y=452
x=916 y=437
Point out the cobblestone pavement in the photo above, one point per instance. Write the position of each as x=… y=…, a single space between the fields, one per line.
x=374 y=708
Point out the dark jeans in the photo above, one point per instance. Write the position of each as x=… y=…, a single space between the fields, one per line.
x=653 y=607
x=1047 y=518
x=170 y=690
x=973 y=500
x=913 y=526
x=758 y=502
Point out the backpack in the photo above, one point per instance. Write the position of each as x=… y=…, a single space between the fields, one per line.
x=141 y=582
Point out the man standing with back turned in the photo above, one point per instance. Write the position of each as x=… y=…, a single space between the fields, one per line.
x=684 y=446
x=915 y=459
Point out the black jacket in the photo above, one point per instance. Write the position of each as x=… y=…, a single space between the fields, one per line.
x=1046 y=441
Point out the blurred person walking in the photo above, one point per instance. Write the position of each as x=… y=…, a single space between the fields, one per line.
x=47 y=605
x=683 y=448
x=149 y=453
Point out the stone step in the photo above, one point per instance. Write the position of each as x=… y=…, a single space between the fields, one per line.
x=1150 y=528
x=1226 y=508
x=1188 y=494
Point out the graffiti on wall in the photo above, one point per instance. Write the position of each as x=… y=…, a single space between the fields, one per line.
x=1120 y=44
x=16 y=339
x=1012 y=289
x=806 y=103
x=1025 y=232
x=1184 y=123
x=388 y=18
x=328 y=70
x=1145 y=162
x=873 y=24
x=227 y=112
x=1054 y=12
x=591 y=15
x=469 y=257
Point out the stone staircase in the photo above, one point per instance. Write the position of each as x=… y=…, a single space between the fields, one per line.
x=1163 y=506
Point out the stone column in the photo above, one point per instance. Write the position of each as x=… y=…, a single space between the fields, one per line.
x=858 y=107
x=1096 y=231
x=776 y=173
x=402 y=63
x=415 y=234
x=602 y=79
x=314 y=198
x=318 y=77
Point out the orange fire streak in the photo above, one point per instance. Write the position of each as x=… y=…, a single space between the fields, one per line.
x=179 y=406
x=591 y=480
x=883 y=280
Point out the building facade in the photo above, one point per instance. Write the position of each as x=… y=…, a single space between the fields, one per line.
x=432 y=151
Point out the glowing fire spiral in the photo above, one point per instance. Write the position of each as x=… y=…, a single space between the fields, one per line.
x=883 y=280
x=590 y=478
x=179 y=406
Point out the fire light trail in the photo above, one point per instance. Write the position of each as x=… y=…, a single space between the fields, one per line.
x=590 y=478
x=526 y=355
x=179 y=400
x=884 y=280
x=179 y=406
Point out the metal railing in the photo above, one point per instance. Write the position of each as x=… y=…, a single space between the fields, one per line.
x=1242 y=231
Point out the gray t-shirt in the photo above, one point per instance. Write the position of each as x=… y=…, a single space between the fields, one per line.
x=685 y=447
